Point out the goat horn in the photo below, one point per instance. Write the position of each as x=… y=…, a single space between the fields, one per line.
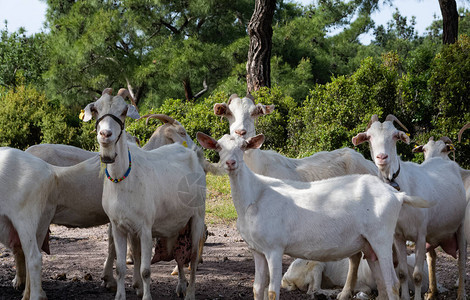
x=161 y=117
x=373 y=119
x=466 y=126
x=233 y=96
x=125 y=93
x=431 y=138
x=446 y=140
x=108 y=91
x=392 y=118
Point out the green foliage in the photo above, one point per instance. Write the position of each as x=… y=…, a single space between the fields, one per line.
x=275 y=126
x=22 y=56
x=26 y=119
x=163 y=49
x=450 y=92
x=333 y=113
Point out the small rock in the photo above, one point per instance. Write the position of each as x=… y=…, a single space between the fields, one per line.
x=88 y=277
x=225 y=235
x=225 y=258
x=61 y=276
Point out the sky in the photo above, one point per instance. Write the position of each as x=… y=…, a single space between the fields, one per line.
x=31 y=13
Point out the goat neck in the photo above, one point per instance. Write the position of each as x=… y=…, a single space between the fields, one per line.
x=120 y=166
x=244 y=186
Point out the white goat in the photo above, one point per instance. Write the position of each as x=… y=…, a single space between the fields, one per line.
x=242 y=114
x=82 y=206
x=164 y=193
x=25 y=211
x=311 y=220
x=171 y=132
x=436 y=180
x=315 y=276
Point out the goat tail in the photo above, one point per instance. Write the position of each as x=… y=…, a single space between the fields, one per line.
x=416 y=201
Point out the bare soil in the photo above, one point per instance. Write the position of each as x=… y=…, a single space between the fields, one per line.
x=73 y=270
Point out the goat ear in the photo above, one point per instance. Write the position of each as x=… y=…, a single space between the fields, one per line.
x=360 y=138
x=255 y=142
x=132 y=112
x=221 y=109
x=403 y=137
x=418 y=149
x=261 y=110
x=87 y=113
x=207 y=141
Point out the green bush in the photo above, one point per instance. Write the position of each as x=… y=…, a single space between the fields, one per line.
x=449 y=87
x=335 y=112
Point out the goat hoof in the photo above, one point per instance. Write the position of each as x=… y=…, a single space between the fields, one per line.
x=110 y=285
x=138 y=289
x=430 y=296
x=181 y=290
x=17 y=283
x=344 y=296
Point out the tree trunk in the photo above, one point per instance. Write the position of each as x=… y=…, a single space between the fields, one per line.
x=450 y=21
x=188 y=92
x=258 y=68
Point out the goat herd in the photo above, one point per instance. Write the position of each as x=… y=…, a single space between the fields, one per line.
x=323 y=208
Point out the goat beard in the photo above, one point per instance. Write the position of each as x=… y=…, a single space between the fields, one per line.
x=106 y=156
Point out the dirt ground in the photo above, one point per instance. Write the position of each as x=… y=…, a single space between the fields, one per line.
x=73 y=270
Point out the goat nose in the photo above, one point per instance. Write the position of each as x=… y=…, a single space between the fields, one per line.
x=230 y=163
x=105 y=133
x=240 y=132
x=382 y=156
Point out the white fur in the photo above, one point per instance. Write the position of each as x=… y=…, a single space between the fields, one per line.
x=323 y=220
x=436 y=180
x=82 y=206
x=26 y=185
x=149 y=202
x=315 y=276
x=242 y=114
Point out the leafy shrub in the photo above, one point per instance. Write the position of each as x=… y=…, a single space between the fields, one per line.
x=335 y=112
x=449 y=87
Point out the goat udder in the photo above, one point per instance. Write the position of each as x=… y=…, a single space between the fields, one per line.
x=450 y=246
x=369 y=252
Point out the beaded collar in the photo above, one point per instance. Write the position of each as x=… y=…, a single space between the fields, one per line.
x=125 y=175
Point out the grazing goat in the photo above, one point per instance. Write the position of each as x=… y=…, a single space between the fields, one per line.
x=323 y=220
x=315 y=276
x=26 y=210
x=242 y=114
x=164 y=193
x=436 y=180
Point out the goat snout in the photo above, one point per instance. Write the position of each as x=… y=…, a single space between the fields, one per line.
x=381 y=158
x=240 y=132
x=231 y=164
x=105 y=133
